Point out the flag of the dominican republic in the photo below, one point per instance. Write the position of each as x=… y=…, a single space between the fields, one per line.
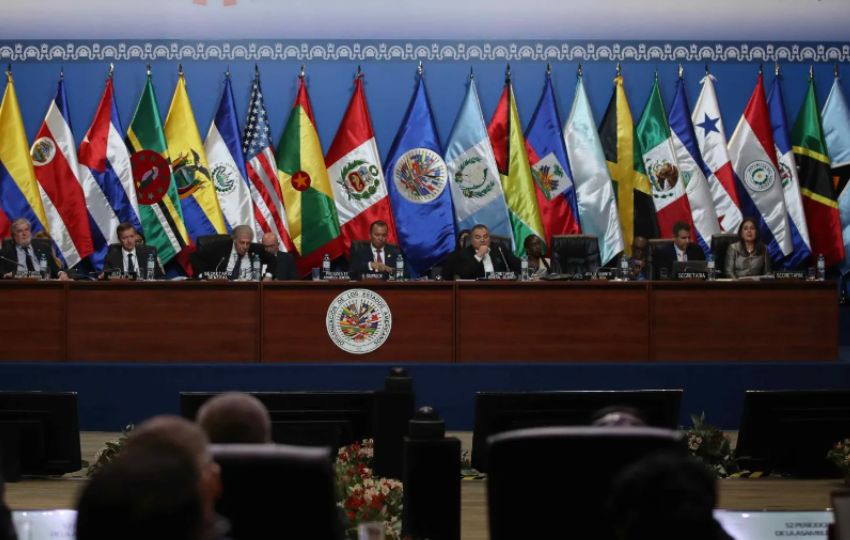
x=473 y=173
x=550 y=167
x=693 y=170
x=54 y=156
x=662 y=168
x=357 y=179
x=107 y=177
x=836 y=129
x=711 y=139
x=306 y=189
x=625 y=165
x=819 y=192
x=227 y=163
x=201 y=212
x=262 y=170
x=418 y=179
x=505 y=131
x=19 y=194
x=801 y=244
x=753 y=157
x=596 y=203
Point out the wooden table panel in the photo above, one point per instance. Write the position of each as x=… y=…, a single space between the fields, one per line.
x=33 y=328
x=294 y=327
x=745 y=321
x=163 y=321
x=552 y=321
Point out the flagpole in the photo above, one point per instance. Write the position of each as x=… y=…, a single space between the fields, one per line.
x=111 y=70
x=579 y=71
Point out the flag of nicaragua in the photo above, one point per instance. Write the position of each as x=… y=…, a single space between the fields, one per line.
x=107 y=177
x=473 y=173
x=753 y=157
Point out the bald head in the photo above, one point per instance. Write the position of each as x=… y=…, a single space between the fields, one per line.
x=171 y=435
x=235 y=417
x=270 y=243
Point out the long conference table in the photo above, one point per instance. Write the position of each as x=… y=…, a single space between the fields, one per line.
x=460 y=322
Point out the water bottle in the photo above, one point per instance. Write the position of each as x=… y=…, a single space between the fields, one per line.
x=709 y=267
x=624 y=267
x=326 y=266
x=399 y=268
x=821 y=267
x=523 y=268
x=255 y=267
x=42 y=264
x=149 y=267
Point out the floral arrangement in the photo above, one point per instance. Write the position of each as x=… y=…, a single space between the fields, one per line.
x=109 y=451
x=711 y=446
x=840 y=455
x=362 y=496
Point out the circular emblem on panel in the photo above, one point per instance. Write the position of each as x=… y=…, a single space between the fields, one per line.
x=224 y=177
x=359 y=321
x=420 y=175
x=43 y=151
x=360 y=179
x=152 y=176
x=759 y=175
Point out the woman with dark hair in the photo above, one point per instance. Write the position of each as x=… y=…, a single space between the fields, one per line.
x=538 y=265
x=748 y=256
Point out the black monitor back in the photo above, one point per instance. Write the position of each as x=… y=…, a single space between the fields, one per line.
x=790 y=431
x=40 y=431
x=322 y=418
x=277 y=491
x=497 y=412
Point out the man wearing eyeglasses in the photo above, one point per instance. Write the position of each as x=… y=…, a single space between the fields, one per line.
x=283 y=265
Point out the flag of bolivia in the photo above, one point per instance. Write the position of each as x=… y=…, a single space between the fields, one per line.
x=307 y=194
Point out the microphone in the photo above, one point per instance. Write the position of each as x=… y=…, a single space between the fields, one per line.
x=16 y=263
x=504 y=260
x=217 y=266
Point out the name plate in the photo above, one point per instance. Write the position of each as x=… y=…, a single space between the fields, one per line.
x=798 y=275
x=760 y=525
x=216 y=276
x=692 y=276
x=374 y=276
x=337 y=276
x=28 y=275
x=601 y=274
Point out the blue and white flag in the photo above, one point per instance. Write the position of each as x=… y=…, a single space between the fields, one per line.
x=802 y=246
x=596 y=203
x=106 y=177
x=473 y=173
x=227 y=163
x=693 y=170
x=836 y=130
x=417 y=178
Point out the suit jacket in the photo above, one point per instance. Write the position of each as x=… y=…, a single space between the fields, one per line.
x=359 y=260
x=114 y=260
x=214 y=257
x=464 y=264
x=284 y=267
x=665 y=258
x=10 y=255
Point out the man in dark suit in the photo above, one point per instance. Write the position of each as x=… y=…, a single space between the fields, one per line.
x=478 y=259
x=131 y=257
x=233 y=258
x=282 y=265
x=380 y=257
x=21 y=255
x=682 y=249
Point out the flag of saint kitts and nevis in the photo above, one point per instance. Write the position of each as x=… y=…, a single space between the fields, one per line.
x=306 y=189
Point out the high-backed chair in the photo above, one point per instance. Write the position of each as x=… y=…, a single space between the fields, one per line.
x=581 y=462
x=719 y=244
x=575 y=253
x=657 y=248
x=277 y=491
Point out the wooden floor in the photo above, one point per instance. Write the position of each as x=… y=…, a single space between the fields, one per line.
x=739 y=494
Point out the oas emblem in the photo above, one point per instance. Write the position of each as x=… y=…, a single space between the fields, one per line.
x=359 y=321
x=43 y=151
x=420 y=175
x=474 y=178
x=759 y=175
x=224 y=177
x=360 y=179
x=549 y=176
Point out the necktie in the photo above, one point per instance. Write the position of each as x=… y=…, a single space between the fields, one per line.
x=236 y=268
x=131 y=268
x=378 y=257
x=28 y=257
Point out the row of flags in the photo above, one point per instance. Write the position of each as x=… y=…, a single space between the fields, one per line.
x=615 y=181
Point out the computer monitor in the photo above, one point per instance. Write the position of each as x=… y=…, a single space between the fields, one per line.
x=39 y=433
x=790 y=431
x=325 y=418
x=496 y=412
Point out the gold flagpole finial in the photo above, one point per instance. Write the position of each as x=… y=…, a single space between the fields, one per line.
x=507 y=73
x=149 y=70
x=580 y=71
x=471 y=74
x=180 y=69
x=619 y=69
x=681 y=71
x=548 y=70
x=62 y=73
x=761 y=68
x=835 y=70
x=656 y=74
x=811 y=72
x=420 y=69
x=111 y=70
x=301 y=73
x=257 y=70
x=777 y=70
x=359 y=74
x=227 y=72
x=707 y=72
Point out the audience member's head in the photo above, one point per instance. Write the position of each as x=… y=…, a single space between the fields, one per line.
x=143 y=495
x=665 y=497
x=234 y=417
x=7 y=528
x=618 y=415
